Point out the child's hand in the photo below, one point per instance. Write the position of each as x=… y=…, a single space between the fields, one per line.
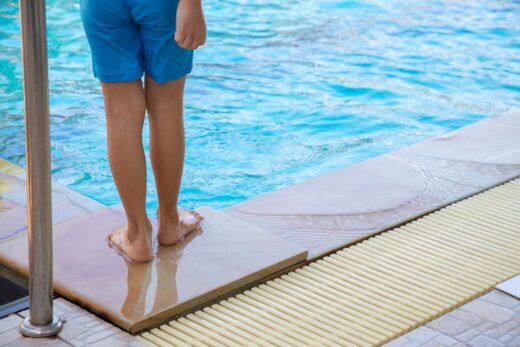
x=191 y=26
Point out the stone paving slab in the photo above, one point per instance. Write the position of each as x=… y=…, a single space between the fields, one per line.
x=493 y=320
x=329 y=212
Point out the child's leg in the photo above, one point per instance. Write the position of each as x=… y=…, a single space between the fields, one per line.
x=125 y=109
x=164 y=103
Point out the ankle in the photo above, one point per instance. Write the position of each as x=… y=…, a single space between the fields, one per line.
x=168 y=217
x=138 y=227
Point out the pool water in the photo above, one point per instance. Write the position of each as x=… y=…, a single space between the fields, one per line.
x=283 y=91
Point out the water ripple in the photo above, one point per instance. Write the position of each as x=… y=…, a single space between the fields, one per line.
x=282 y=91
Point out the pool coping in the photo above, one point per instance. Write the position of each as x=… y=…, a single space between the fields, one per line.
x=329 y=212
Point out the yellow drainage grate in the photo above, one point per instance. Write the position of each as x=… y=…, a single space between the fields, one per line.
x=374 y=291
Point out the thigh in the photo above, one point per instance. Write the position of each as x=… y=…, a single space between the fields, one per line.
x=164 y=59
x=114 y=40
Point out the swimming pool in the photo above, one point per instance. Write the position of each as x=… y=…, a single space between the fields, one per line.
x=283 y=91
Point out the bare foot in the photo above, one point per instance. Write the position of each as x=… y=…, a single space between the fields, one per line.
x=138 y=248
x=171 y=234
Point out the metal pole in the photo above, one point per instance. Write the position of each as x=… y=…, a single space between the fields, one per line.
x=41 y=321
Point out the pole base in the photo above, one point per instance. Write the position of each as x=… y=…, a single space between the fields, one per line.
x=32 y=330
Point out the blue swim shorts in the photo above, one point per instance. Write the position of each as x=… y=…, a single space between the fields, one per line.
x=128 y=37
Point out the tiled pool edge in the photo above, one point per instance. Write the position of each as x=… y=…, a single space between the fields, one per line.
x=325 y=213
x=67 y=204
x=406 y=220
x=363 y=170
x=369 y=205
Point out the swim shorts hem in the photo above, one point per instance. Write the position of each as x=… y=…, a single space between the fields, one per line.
x=120 y=77
x=160 y=79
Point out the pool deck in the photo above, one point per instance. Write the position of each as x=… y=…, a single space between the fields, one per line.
x=320 y=215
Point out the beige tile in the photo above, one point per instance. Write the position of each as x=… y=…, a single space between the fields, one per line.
x=494 y=140
x=66 y=204
x=345 y=191
x=223 y=255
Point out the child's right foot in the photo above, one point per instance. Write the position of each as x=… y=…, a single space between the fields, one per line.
x=170 y=234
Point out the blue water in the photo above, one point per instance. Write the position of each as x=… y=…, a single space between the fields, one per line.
x=283 y=90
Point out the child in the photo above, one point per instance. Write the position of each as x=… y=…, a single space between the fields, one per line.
x=157 y=37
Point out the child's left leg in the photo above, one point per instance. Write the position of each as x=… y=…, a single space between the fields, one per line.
x=164 y=104
x=125 y=110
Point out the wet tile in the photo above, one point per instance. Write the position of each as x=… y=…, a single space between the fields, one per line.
x=66 y=204
x=329 y=212
x=224 y=254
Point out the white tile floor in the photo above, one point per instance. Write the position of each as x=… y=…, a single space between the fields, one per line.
x=493 y=320
x=511 y=286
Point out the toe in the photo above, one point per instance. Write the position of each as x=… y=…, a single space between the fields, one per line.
x=111 y=235
x=198 y=217
x=117 y=236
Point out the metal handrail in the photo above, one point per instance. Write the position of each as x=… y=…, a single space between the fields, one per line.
x=41 y=321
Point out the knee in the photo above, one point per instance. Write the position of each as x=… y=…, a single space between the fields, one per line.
x=156 y=108
x=129 y=111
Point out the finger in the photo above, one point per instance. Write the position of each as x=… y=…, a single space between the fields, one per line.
x=180 y=37
x=200 y=41
x=184 y=42
x=189 y=42
x=194 y=43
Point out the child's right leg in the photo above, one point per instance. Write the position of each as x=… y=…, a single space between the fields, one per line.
x=125 y=110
